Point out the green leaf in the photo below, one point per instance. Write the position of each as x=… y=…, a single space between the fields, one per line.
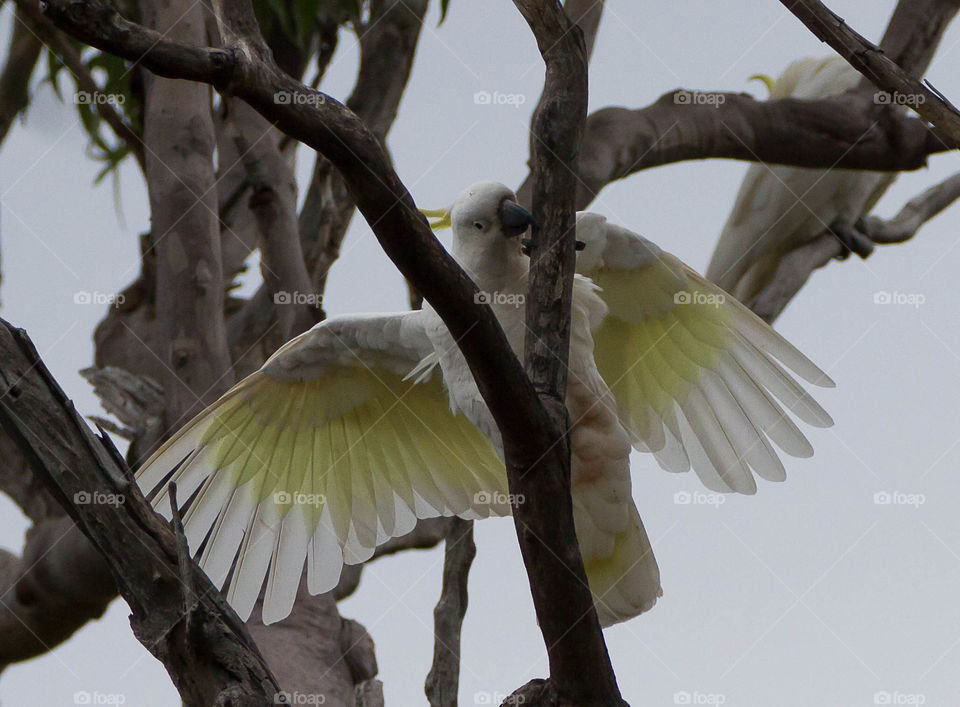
x=444 y=4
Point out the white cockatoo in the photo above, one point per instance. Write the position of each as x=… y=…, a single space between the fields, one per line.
x=779 y=209
x=363 y=424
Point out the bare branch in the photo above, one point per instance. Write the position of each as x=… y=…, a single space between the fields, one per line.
x=850 y=131
x=914 y=214
x=881 y=70
x=185 y=228
x=218 y=660
x=443 y=680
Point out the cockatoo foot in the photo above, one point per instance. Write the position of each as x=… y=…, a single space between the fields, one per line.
x=854 y=239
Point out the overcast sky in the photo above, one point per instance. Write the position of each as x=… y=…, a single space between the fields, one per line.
x=808 y=593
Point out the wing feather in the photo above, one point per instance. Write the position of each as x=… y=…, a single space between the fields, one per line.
x=699 y=380
x=320 y=456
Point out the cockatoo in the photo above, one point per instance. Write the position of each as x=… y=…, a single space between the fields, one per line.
x=358 y=427
x=779 y=209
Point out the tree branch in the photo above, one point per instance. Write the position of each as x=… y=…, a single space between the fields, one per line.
x=217 y=661
x=881 y=70
x=443 y=680
x=22 y=55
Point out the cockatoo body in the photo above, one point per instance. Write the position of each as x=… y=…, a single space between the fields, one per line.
x=361 y=425
x=779 y=209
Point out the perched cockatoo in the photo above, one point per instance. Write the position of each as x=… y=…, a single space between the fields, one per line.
x=779 y=209
x=364 y=423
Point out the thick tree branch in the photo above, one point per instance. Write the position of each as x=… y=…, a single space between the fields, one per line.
x=212 y=663
x=185 y=229
x=580 y=669
x=850 y=131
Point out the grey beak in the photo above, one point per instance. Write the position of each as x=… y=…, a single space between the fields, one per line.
x=514 y=219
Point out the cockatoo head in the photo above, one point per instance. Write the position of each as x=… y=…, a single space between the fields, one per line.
x=486 y=222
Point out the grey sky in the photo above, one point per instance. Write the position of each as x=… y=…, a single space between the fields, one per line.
x=807 y=593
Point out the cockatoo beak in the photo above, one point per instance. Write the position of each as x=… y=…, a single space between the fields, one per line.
x=514 y=219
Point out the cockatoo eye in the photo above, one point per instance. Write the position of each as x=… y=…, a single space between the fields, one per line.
x=479 y=225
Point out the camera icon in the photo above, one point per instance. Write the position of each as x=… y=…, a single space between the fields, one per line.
x=682 y=498
x=83 y=98
x=282 y=497
x=482 y=98
x=82 y=698
x=882 y=498
x=882 y=98
x=682 y=297
x=483 y=498
x=682 y=98
x=282 y=297
x=682 y=698
x=82 y=498
x=482 y=298
x=882 y=297
x=82 y=297
x=281 y=97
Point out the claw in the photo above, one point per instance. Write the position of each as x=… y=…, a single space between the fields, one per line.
x=853 y=238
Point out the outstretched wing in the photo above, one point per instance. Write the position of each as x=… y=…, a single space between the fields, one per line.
x=324 y=453
x=699 y=379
